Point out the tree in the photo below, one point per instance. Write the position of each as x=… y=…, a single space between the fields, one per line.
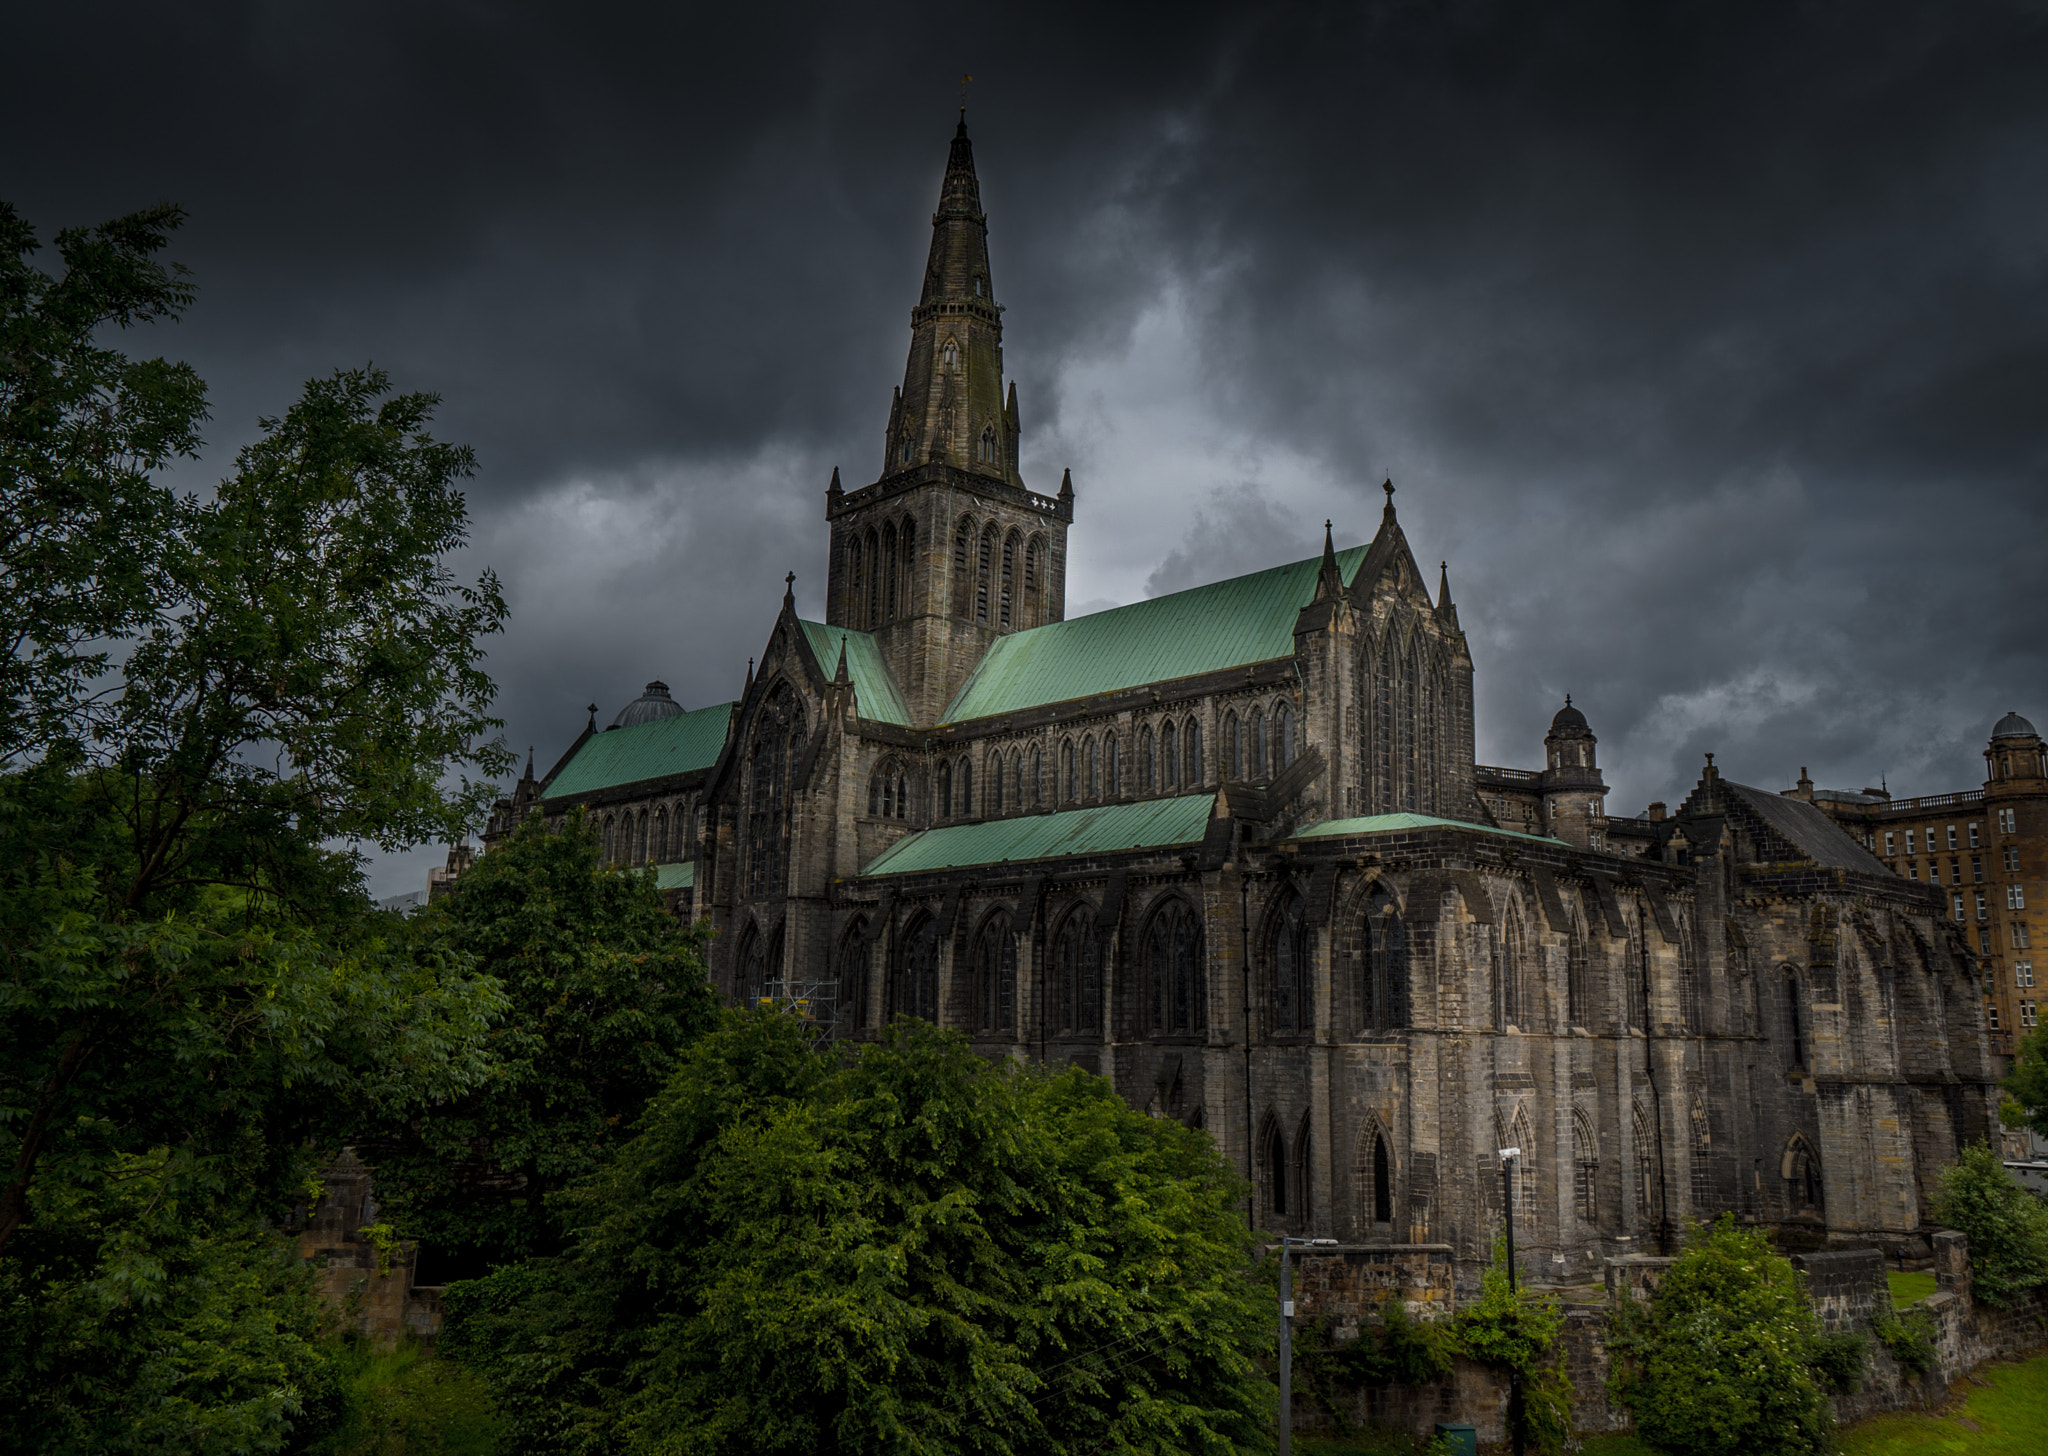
x=908 y=1250
x=203 y=698
x=603 y=989
x=1720 y=1361
x=2007 y=1226
x=2026 y=1085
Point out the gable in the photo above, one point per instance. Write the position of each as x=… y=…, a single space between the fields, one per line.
x=874 y=686
x=682 y=744
x=1225 y=624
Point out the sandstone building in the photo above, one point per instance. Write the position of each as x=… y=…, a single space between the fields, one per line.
x=1987 y=851
x=1230 y=848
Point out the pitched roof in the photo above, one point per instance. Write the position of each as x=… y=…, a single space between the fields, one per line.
x=1388 y=823
x=646 y=751
x=1150 y=824
x=676 y=876
x=876 y=689
x=1810 y=833
x=1204 y=629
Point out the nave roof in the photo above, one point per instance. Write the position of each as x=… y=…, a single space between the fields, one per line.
x=673 y=745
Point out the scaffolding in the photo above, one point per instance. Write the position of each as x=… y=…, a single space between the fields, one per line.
x=814 y=1004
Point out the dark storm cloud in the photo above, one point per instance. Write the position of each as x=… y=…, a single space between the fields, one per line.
x=1710 y=343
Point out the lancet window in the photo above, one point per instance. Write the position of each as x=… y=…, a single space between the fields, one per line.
x=1173 y=953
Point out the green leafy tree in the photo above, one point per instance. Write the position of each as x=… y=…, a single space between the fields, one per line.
x=2026 y=1085
x=909 y=1251
x=603 y=989
x=204 y=697
x=2007 y=1226
x=1515 y=1331
x=1721 y=1360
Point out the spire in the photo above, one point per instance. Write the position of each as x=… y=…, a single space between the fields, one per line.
x=833 y=491
x=789 y=591
x=839 y=674
x=527 y=777
x=750 y=679
x=1446 y=608
x=1067 y=485
x=1329 y=580
x=951 y=406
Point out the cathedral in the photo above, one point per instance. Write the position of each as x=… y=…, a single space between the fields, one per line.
x=1230 y=849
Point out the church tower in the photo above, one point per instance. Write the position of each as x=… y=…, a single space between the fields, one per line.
x=948 y=549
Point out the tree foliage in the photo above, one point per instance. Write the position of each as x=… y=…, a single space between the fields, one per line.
x=2007 y=1226
x=1720 y=1360
x=602 y=990
x=2026 y=1085
x=909 y=1251
x=1515 y=1331
x=201 y=696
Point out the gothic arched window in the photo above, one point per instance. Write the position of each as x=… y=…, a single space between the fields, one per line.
x=986 y=451
x=1169 y=756
x=1578 y=1002
x=1255 y=744
x=1067 y=771
x=751 y=965
x=1112 y=775
x=907 y=537
x=1585 y=1167
x=995 y=976
x=1283 y=736
x=778 y=743
x=1800 y=1168
x=1034 y=581
x=1795 y=1030
x=1233 y=747
x=983 y=565
x=1288 y=954
x=875 y=574
x=1646 y=1165
x=945 y=794
x=1145 y=759
x=640 y=838
x=850 y=971
x=963 y=572
x=1077 y=972
x=1173 y=955
x=916 y=989
x=966 y=788
x=951 y=356
x=1382 y=1179
x=856 y=585
x=1514 y=998
x=1191 y=752
x=1088 y=749
x=1009 y=575
x=890 y=573
x=1688 y=982
x=1037 y=779
x=660 y=849
x=995 y=782
x=1702 y=1152
x=1274 y=1165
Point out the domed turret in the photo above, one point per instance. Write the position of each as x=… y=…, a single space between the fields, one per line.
x=649 y=707
x=2012 y=725
x=1574 y=798
x=2015 y=753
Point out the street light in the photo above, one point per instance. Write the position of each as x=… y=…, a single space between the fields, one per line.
x=1287 y=1245
x=1509 y=1157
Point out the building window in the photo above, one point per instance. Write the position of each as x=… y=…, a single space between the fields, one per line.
x=945 y=790
x=1585 y=1167
x=2005 y=822
x=966 y=788
x=988 y=546
x=1383 y=989
x=1289 y=952
x=2012 y=859
x=1037 y=779
x=1009 y=571
x=1983 y=931
x=1977 y=868
x=2027 y=1022
x=1169 y=755
x=1067 y=769
x=1983 y=912
x=1145 y=759
x=1255 y=747
x=2015 y=897
x=1191 y=752
x=1973 y=834
x=916 y=988
x=1991 y=1014
x=995 y=783
x=1951 y=836
x=1959 y=907
x=1382 y=1180
x=1283 y=737
x=2019 y=935
x=2023 y=973
x=1077 y=972
x=1233 y=747
x=1174 y=959
x=1094 y=776
x=995 y=976
x=1111 y=771
x=1912 y=871
x=1795 y=1034
x=1888 y=850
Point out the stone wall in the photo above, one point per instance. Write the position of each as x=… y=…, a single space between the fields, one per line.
x=370 y=1290
x=1848 y=1289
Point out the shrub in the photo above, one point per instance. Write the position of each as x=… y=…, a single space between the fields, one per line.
x=2007 y=1226
x=1393 y=1350
x=1839 y=1359
x=1719 y=1362
x=1910 y=1338
x=1513 y=1330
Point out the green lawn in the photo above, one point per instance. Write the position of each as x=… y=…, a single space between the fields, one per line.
x=1909 y=1288
x=405 y=1403
x=2008 y=1414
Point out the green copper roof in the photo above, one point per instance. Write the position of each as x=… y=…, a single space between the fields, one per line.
x=1204 y=629
x=1388 y=823
x=1110 y=827
x=649 y=751
x=879 y=698
x=676 y=876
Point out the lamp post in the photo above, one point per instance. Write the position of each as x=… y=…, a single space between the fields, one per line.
x=1508 y=1160
x=1287 y=1246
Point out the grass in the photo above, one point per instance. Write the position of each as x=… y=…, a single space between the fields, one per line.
x=2007 y=1414
x=1909 y=1288
x=403 y=1402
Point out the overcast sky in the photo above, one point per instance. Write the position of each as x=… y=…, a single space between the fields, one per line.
x=1708 y=342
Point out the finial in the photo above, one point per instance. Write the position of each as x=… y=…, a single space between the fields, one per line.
x=1067 y=483
x=963 y=99
x=789 y=587
x=1710 y=757
x=529 y=760
x=593 y=715
x=1387 y=485
x=833 y=488
x=1568 y=703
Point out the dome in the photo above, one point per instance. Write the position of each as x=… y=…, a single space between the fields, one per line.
x=2012 y=725
x=650 y=706
x=1569 y=719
